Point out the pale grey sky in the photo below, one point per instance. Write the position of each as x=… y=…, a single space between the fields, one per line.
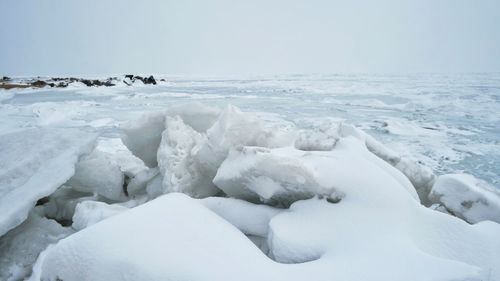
x=229 y=37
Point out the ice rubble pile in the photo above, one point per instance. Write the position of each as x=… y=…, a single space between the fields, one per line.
x=260 y=201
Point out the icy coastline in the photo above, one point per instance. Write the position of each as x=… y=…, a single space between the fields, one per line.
x=198 y=192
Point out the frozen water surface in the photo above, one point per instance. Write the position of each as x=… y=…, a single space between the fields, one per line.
x=450 y=123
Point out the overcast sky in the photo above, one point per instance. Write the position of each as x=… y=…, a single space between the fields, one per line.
x=227 y=37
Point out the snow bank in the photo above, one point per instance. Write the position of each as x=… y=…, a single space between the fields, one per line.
x=314 y=238
x=33 y=164
x=467 y=197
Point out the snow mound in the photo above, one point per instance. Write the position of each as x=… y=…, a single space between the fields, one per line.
x=467 y=197
x=312 y=238
x=422 y=178
x=33 y=164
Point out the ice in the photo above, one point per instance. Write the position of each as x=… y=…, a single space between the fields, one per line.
x=467 y=197
x=176 y=159
x=234 y=128
x=88 y=213
x=273 y=176
x=296 y=141
x=61 y=204
x=33 y=164
x=97 y=174
x=143 y=136
x=20 y=247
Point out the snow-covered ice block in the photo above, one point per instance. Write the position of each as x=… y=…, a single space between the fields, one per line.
x=274 y=176
x=198 y=116
x=235 y=128
x=96 y=173
x=88 y=213
x=467 y=197
x=180 y=169
x=33 y=164
x=143 y=136
x=20 y=247
x=322 y=138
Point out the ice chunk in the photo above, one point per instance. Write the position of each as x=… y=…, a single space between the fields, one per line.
x=275 y=176
x=322 y=138
x=96 y=173
x=198 y=116
x=61 y=204
x=138 y=183
x=180 y=169
x=467 y=197
x=143 y=136
x=235 y=128
x=88 y=213
x=20 y=247
x=33 y=164
x=154 y=187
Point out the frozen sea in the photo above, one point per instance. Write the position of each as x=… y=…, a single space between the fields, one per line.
x=450 y=123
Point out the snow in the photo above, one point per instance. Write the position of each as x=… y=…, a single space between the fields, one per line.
x=315 y=177
x=467 y=197
x=193 y=243
x=34 y=163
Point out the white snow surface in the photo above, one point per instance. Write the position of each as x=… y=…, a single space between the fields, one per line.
x=313 y=239
x=33 y=164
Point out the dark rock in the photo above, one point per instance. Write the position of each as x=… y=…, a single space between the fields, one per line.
x=149 y=80
x=87 y=82
x=5 y=78
x=129 y=76
x=39 y=83
x=62 y=85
